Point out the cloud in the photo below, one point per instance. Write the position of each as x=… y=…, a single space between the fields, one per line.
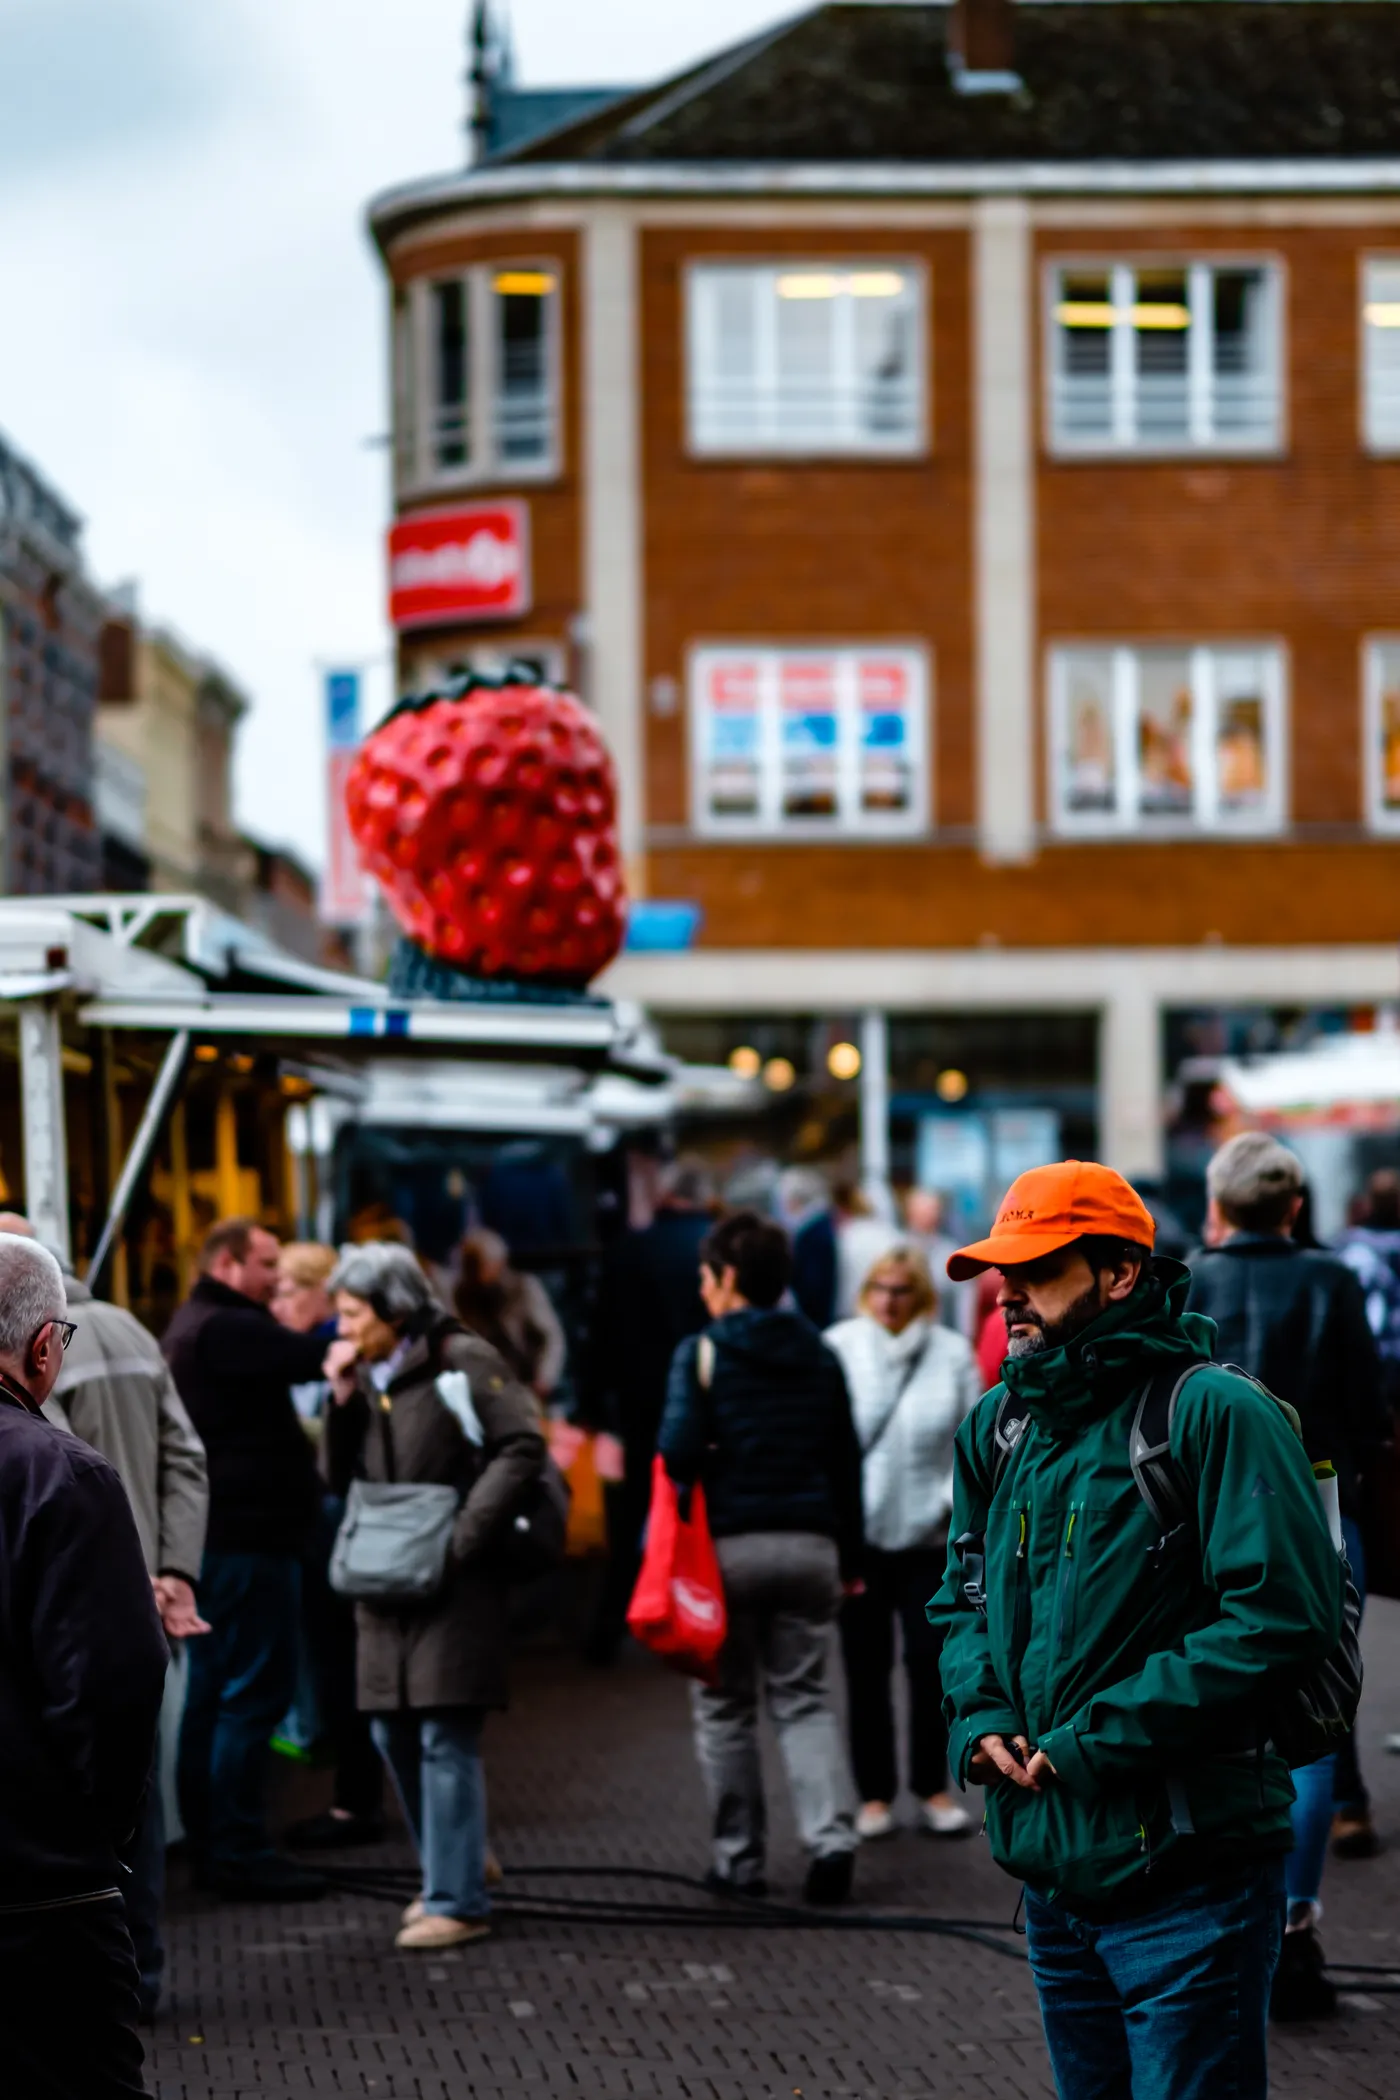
x=81 y=80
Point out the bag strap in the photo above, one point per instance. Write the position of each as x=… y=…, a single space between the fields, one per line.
x=384 y=1408
x=1012 y=1416
x=1159 y=1479
x=906 y=1378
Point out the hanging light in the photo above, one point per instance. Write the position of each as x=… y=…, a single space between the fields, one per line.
x=951 y=1085
x=745 y=1062
x=843 y=1061
x=779 y=1074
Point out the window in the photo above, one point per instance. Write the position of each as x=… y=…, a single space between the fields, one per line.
x=805 y=358
x=1381 y=359
x=809 y=742
x=1383 y=733
x=1170 y=358
x=475 y=375
x=1167 y=740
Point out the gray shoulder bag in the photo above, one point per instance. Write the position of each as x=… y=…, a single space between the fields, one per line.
x=395 y=1536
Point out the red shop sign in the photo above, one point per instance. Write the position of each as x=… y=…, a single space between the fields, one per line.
x=468 y=563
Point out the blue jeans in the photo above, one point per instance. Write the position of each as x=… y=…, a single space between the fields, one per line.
x=1349 y=1788
x=242 y=1676
x=1172 y=2004
x=1312 y=1826
x=435 y=1759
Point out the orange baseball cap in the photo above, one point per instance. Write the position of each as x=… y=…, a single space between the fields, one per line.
x=1050 y=1206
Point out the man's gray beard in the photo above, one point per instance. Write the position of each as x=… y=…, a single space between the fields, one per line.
x=1075 y=1316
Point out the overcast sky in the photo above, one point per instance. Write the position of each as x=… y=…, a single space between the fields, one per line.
x=192 y=334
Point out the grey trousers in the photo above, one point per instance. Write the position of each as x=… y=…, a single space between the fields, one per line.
x=783 y=1591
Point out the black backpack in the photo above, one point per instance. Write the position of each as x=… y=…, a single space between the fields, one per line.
x=1305 y=1719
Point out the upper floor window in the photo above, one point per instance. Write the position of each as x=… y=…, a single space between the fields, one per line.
x=476 y=375
x=1383 y=733
x=1167 y=740
x=805 y=357
x=1381 y=361
x=809 y=742
x=1171 y=357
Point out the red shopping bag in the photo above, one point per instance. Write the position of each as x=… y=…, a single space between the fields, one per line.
x=677 y=1608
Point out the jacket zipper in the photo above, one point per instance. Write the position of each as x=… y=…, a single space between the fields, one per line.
x=1065 y=1580
x=1021 y=1613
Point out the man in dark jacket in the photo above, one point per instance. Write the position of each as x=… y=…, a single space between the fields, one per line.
x=82 y=1665
x=1295 y=1318
x=234 y=1366
x=649 y=1301
x=1110 y=1680
x=758 y=1411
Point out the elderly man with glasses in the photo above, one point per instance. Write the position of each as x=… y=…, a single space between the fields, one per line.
x=82 y=1665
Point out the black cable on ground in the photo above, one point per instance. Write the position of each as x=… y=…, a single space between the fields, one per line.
x=732 y=1909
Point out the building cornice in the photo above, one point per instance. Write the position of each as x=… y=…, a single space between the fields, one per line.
x=395 y=210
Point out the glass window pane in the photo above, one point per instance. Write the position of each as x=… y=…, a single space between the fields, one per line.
x=886 y=340
x=451 y=433
x=808 y=409
x=1241 y=734
x=1161 y=328
x=886 y=735
x=810 y=736
x=1382 y=333
x=1244 y=404
x=524 y=404
x=1084 y=329
x=1388 y=728
x=1166 y=780
x=732 y=743
x=1089 y=758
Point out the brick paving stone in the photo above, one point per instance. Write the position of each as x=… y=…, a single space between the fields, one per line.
x=309 y=2000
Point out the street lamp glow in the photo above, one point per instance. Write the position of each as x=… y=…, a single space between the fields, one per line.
x=779 y=1074
x=745 y=1062
x=843 y=1061
x=951 y=1085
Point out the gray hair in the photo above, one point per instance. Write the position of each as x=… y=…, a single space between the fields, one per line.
x=387 y=1276
x=1254 y=1178
x=31 y=1293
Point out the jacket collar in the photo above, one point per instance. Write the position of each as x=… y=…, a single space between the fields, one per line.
x=1267 y=1243
x=17 y=1395
x=1066 y=1388
x=209 y=1291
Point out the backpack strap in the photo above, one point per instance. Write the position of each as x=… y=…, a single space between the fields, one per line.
x=1008 y=1429
x=1160 y=1481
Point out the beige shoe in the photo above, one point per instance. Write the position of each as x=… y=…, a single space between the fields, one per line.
x=427 y=1935
x=875 y=1821
x=495 y=1873
x=413 y=1912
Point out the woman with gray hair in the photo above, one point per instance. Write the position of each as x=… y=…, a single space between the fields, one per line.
x=421 y=1401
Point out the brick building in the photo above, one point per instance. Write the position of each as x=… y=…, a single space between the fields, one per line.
x=50 y=643
x=956 y=449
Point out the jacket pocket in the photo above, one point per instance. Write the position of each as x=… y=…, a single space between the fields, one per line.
x=1063 y=1845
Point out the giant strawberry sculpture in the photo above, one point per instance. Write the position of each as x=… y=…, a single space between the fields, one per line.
x=487 y=812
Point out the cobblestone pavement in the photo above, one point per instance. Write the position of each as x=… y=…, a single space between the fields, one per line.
x=595 y=1769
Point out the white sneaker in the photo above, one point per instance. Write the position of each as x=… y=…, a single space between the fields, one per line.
x=945 y=1822
x=875 y=1821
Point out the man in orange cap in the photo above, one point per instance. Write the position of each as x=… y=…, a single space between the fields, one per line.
x=1139 y=1563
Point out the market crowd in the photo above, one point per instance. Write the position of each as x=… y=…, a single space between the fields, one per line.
x=1104 y=1508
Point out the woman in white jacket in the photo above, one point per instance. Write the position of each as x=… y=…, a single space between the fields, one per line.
x=911 y=1382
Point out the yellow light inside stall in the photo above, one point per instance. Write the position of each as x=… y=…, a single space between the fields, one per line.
x=1383 y=313
x=808 y=284
x=524 y=284
x=843 y=1061
x=745 y=1062
x=951 y=1085
x=779 y=1074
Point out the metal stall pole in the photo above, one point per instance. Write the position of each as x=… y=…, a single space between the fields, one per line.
x=142 y=1145
x=45 y=1133
x=875 y=1111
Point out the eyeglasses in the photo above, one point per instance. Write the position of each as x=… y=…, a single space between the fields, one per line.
x=66 y=1329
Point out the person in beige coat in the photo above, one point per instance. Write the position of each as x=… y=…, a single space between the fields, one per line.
x=420 y=1400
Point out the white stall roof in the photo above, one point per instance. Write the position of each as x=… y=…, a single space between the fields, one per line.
x=1334 y=1072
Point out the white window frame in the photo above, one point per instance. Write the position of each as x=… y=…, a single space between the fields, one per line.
x=1200 y=440
x=1382 y=445
x=415 y=445
x=914 y=445
x=770 y=823
x=1378 y=817
x=1127 y=821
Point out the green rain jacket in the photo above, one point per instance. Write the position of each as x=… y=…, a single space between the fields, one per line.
x=1146 y=1687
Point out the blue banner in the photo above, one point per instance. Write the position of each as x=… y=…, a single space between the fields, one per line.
x=342 y=710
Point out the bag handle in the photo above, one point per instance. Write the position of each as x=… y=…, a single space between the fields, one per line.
x=907 y=1376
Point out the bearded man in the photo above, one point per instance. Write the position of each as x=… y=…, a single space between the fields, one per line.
x=1109 y=1675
